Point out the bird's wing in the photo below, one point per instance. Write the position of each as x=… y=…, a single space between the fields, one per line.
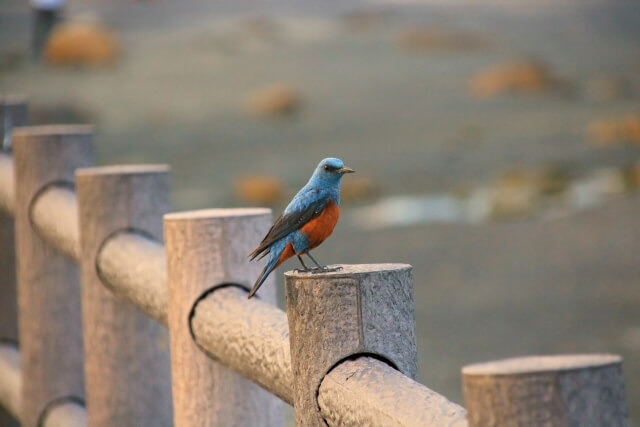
x=305 y=207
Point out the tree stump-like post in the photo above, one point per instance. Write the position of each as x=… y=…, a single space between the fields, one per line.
x=49 y=310
x=334 y=316
x=563 y=390
x=207 y=250
x=126 y=352
x=13 y=112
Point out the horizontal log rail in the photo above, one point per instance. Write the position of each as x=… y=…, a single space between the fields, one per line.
x=67 y=414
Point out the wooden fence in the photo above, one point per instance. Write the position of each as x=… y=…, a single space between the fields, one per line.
x=130 y=315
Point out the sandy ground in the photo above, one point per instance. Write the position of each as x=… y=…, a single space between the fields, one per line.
x=407 y=121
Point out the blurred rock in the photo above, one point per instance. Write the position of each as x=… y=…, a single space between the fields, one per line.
x=518 y=193
x=614 y=130
x=635 y=175
x=81 y=44
x=362 y=19
x=607 y=89
x=260 y=190
x=260 y=27
x=526 y=76
x=596 y=188
x=358 y=189
x=275 y=100
x=425 y=38
x=402 y=211
x=512 y=196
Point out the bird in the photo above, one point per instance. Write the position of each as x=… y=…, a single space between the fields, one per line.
x=306 y=222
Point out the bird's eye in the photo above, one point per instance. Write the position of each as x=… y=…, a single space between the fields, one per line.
x=326 y=167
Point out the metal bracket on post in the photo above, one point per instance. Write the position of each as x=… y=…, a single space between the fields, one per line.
x=207 y=252
x=360 y=310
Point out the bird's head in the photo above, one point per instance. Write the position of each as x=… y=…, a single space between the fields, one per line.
x=330 y=170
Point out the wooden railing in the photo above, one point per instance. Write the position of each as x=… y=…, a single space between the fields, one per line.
x=141 y=317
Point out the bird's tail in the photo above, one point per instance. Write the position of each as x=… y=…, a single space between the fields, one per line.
x=273 y=263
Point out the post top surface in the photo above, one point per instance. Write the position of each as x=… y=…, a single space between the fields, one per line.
x=215 y=213
x=123 y=170
x=538 y=364
x=52 y=130
x=348 y=270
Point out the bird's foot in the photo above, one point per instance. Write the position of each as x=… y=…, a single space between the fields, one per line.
x=325 y=269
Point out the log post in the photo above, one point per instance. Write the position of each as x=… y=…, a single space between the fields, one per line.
x=49 y=311
x=334 y=316
x=13 y=112
x=126 y=353
x=563 y=390
x=206 y=251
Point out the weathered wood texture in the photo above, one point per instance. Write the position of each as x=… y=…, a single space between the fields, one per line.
x=13 y=113
x=7 y=197
x=361 y=309
x=50 y=322
x=10 y=379
x=207 y=249
x=250 y=336
x=54 y=214
x=565 y=390
x=8 y=297
x=368 y=392
x=127 y=353
x=134 y=267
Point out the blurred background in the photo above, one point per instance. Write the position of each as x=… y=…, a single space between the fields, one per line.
x=496 y=143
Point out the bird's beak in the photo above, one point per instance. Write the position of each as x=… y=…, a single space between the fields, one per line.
x=345 y=170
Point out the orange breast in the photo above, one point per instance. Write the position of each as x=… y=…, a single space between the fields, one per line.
x=321 y=227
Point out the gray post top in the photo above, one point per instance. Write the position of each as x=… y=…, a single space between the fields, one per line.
x=539 y=364
x=123 y=170
x=212 y=214
x=53 y=130
x=348 y=270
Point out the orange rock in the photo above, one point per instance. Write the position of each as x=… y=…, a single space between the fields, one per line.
x=613 y=130
x=523 y=76
x=362 y=19
x=358 y=189
x=81 y=44
x=424 y=38
x=259 y=189
x=277 y=99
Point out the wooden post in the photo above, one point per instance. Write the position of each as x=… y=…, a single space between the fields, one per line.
x=13 y=112
x=565 y=390
x=333 y=316
x=126 y=353
x=50 y=321
x=206 y=250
